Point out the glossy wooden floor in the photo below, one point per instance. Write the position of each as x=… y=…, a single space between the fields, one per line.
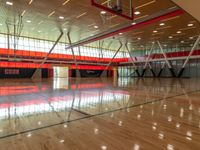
x=100 y=114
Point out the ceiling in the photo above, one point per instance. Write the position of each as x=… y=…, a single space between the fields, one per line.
x=43 y=20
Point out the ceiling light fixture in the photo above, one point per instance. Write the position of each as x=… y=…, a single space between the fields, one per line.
x=191 y=38
x=120 y=33
x=190 y=25
x=162 y=24
x=28 y=21
x=81 y=15
x=65 y=2
x=103 y=12
x=30 y=2
x=53 y=12
x=178 y=32
x=155 y=31
x=96 y=27
x=61 y=17
x=170 y=37
x=134 y=23
x=137 y=13
x=9 y=3
x=139 y=38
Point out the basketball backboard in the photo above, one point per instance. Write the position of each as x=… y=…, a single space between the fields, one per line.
x=123 y=8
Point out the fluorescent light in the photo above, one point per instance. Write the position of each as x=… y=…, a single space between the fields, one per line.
x=9 y=3
x=137 y=13
x=162 y=24
x=61 y=17
x=190 y=25
x=65 y=2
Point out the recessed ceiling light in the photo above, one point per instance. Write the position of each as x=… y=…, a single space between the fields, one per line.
x=137 y=13
x=133 y=23
x=155 y=31
x=162 y=24
x=61 y=17
x=120 y=33
x=190 y=25
x=139 y=38
x=28 y=21
x=9 y=3
x=103 y=12
x=96 y=27
x=191 y=37
x=178 y=32
x=170 y=37
x=65 y=29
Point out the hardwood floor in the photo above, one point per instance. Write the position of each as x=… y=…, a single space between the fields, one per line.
x=100 y=114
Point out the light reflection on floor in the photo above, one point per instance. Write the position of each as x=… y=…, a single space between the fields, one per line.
x=28 y=105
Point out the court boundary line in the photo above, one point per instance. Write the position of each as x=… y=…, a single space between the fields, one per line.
x=90 y=116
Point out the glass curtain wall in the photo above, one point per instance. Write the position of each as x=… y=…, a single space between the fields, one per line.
x=36 y=45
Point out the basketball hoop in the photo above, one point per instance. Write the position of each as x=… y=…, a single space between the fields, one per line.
x=115 y=7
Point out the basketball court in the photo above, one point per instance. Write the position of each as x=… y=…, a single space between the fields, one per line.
x=99 y=75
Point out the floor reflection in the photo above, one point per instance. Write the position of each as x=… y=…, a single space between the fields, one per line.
x=29 y=105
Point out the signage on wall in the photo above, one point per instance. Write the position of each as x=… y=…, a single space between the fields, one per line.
x=11 y=71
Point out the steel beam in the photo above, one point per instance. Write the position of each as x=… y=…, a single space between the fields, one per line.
x=188 y=57
x=134 y=65
x=50 y=51
x=73 y=54
x=163 y=66
x=147 y=62
x=46 y=57
x=166 y=60
x=112 y=58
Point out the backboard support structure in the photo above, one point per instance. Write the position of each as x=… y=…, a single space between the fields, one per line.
x=116 y=7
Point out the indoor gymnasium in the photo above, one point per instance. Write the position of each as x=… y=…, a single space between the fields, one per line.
x=99 y=75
